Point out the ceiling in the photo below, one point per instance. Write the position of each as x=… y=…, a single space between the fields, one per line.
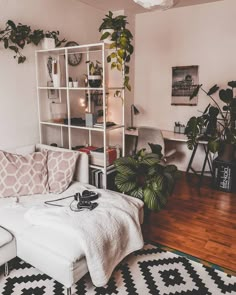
x=130 y=5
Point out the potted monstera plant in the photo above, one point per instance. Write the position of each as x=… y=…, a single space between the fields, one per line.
x=218 y=121
x=120 y=38
x=144 y=176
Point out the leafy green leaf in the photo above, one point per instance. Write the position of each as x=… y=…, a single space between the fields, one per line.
x=232 y=84
x=195 y=92
x=105 y=35
x=14 y=48
x=137 y=193
x=5 y=40
x=150 y=199
x=226 y=95
x=214 y=145
x=119 y=67
x=113 y=55
x=213 y=90
x=125 y=170
x=123 y=184
x=11 y=24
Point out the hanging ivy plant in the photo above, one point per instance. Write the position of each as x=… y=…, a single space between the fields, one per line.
x=121 y=39
x=16 y=37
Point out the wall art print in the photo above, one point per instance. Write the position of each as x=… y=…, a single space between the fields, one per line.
x=184 y=81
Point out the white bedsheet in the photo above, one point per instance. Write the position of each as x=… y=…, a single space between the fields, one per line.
x=106 y=234
x=73 y=235
x=12 y=217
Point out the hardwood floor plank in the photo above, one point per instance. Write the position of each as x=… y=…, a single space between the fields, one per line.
x=201 y=223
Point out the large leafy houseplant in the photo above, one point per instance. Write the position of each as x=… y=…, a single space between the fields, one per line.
x=144 y=177
x=121 y=46
x=16 y=37
x=218 y=119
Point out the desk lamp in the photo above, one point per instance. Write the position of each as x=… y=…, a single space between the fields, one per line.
x=134 y=111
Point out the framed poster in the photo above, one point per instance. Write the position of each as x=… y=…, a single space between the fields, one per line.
x=184 y=81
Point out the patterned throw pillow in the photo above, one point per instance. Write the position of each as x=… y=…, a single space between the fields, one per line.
x=61 y=167
x=23 y=175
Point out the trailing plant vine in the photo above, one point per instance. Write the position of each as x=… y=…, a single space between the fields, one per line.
x=16 y=37
x=121 y=39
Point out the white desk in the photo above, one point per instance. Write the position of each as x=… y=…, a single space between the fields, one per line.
x=179 y=137
x=168 y=135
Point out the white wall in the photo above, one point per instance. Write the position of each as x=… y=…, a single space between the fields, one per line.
x=201 y=35
x=18 y=105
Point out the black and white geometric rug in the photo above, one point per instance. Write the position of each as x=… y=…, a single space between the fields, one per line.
x=151 y=270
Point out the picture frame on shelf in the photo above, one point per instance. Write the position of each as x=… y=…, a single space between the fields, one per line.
x=52 y=93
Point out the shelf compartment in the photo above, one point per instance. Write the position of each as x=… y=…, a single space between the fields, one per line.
x=52 y=88
x=101 y=167
x=49 y=122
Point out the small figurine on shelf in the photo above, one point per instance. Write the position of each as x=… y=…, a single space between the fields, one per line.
x=70 y=84
x=76 y=83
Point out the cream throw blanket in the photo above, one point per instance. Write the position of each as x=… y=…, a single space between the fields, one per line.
x=106 y=234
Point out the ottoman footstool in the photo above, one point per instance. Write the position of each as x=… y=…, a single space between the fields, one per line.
x=7 y=247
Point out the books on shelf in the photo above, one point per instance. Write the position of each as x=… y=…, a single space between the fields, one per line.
x=87 y=149
x=101 y=124
x=97 y=156
x=96 y=178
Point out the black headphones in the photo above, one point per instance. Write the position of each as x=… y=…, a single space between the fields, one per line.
x=86 y=196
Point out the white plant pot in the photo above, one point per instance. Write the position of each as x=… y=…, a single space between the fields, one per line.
x=48 y=43
x=108 y=39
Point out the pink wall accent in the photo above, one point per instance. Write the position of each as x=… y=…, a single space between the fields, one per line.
x=201 y=35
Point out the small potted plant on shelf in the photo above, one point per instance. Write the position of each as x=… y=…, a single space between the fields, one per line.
x=120 y=39
x=144 y=177
x=218 y=121
x=51 y=40
x=95 y=74
x=16 y=37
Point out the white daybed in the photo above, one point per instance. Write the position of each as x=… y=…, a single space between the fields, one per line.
x=54 y=249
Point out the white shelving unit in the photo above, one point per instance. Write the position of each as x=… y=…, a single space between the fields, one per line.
x=60 y=132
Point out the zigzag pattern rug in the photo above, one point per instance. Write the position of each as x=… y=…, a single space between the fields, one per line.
x=151 y=270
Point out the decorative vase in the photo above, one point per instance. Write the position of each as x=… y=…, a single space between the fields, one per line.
x=56 y=77
x=75 y=84
x=48 y=43
x=94 y=81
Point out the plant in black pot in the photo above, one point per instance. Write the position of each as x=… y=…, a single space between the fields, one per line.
x=120 y=38
x=144 y=177
x=218 y=121
x=95 y=74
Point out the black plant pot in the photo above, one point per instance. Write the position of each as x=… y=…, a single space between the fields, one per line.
x=147 y=214
x=94 y=81
x=226 y=152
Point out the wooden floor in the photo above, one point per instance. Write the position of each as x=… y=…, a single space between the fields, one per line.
x=201 y=223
